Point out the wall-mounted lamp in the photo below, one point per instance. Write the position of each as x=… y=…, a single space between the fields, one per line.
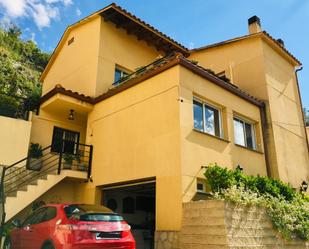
x=304 y=186
x=71 y=115
x=239 y=168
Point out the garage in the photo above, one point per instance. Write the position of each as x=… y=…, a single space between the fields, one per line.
x=135 y=201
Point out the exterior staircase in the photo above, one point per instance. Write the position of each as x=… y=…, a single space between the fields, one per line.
x=28 y=179
x=17 y=201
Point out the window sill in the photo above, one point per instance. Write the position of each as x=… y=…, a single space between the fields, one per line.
x=207 y=134
x=253 y=150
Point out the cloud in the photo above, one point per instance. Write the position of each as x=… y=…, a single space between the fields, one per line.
x=78 y=12
x=65 y=2
x=191 y=45
x=14 y=8
x=43 y=12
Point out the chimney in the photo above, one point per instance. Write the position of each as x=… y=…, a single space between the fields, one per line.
x=281 y=42
x=254 y=25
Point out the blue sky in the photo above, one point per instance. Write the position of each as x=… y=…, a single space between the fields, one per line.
x=193 y=23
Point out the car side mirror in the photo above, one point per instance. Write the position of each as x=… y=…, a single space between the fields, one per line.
x=16 y=223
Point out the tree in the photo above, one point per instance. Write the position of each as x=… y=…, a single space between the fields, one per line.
x=306 y=114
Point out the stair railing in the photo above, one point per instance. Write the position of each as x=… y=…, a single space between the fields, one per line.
x=15 y=176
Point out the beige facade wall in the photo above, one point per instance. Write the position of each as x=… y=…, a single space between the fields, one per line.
x=200 y=149
x=14 y=137
x=90 y=60
x=259 y=69
x=76 y=65
x=287 y=118
x=307 y=130
x=136 y=135
x=119 y=48
x=43 y=126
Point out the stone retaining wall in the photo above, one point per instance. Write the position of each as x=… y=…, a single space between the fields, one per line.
x=215 y=224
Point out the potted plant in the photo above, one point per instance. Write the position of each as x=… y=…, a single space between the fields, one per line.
x=68 y=161
x=35 y=157
x=80 y=164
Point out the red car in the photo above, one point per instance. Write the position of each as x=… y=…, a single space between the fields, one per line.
x=63 y=226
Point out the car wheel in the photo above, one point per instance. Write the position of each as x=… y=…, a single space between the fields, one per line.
x=7 y=243
x=48 y=246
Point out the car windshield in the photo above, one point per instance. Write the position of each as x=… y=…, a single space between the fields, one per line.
x=91 y=213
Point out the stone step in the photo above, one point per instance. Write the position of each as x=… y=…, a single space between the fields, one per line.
x=249 y=231
x=201 y=246
x=253 y=240
x=12 y=194
x=34 y=182
x=204 y=230
x=203 y=204
x=204 y=212
x=204 y=239
x=203 y=221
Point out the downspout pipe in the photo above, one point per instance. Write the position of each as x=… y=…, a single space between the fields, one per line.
x=301 y=104
x=265 y=138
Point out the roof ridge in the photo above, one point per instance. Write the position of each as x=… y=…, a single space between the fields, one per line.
x=235 y=39
x=148 y=25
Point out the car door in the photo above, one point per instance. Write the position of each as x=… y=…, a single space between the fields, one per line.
x=28 y=232
x=45 y=228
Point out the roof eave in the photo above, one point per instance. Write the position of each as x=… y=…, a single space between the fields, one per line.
x=264 y=35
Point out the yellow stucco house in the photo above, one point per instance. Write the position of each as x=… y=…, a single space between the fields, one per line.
x=140 y=115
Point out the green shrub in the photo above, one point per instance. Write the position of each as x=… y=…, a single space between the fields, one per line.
x=287 y=209
x=35 y=151
x=8 y=106
x=221 y=178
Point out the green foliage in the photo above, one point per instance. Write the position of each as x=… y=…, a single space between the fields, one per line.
x=287 y=209
x=21 y=63
x=35 y=150
x=306 y=114
x=68 y=158
x=221 y=178
x=8 y=106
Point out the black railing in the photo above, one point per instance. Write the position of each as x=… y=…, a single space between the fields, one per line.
x=29 y=170
x=143 y=69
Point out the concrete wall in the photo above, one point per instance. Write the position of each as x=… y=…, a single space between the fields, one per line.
x=198 y=149
x=14 y=139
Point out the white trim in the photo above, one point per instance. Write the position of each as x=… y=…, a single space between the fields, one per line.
x=253 y=131
x=219 y=109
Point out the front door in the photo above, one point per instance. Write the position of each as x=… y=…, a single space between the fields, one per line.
x=69 y=138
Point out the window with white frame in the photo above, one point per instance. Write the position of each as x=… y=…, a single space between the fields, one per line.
x=244 y=133
x=207 y=118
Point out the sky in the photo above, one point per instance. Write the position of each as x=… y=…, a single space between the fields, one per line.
x=193 y=23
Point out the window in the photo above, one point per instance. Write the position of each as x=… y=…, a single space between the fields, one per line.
x=119 y=74
x=201 y=186
x=207 y=118
x=49 y=213
x=35 y=218
x=244 y=133
x=69 y=138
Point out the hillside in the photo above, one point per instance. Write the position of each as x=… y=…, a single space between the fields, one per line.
x=21 y=63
